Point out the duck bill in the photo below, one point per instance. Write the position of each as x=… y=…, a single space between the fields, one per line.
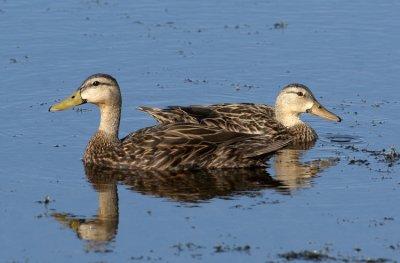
x=322 y=112
x=74 y=100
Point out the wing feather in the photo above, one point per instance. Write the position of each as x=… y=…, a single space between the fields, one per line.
x=196 y=146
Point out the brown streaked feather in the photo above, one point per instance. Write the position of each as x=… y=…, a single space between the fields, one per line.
x=181 y=146
x=303 y=133
x=237 y=117
x=262 y=149
x=170 y=116
x=240 y=117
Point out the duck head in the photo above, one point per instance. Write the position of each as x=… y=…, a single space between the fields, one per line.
x=295 y=99
x=103 y=91
x=99 y=89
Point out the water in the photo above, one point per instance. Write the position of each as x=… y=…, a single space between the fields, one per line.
x=180 y=52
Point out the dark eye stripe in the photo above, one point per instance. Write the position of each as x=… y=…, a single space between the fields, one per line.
x=297 y=93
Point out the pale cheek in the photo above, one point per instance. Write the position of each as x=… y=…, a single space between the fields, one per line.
x=294 y=103
x=290 y=101
x=300 y=104
x=308 y=105
x=92 y=96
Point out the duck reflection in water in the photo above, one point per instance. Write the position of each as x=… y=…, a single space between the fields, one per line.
x=295 y=174
x=102 y=228
x=186 y=187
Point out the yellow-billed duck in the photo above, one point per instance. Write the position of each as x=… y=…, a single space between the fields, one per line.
x=169 y=146
x=283 y=119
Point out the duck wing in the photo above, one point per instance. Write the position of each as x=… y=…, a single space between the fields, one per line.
x=238 y=117
x=191 y=146
x=169 y=115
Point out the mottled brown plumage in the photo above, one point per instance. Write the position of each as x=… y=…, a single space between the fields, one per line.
x=238 y=117
x=180 y=146
x=281 y=122
x=166 y=146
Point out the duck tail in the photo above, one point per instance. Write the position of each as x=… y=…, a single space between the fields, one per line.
x=156 y=113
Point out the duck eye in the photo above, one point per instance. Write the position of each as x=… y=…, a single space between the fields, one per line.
x=301 y=94
x=96 y=83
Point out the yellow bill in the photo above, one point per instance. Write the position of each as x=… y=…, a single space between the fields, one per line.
x=74 y=100
x=322 y=112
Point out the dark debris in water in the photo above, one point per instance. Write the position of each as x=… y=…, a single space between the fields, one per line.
x=380 y=222
x=395 y=246
x=310 y=255
x=81 y=110
x=369 y=260
x=389 y=156
x=59 y=145
x=280 y=25
x=143 y=258
x=195 y=81
x=323 y=256
x=189 y=246
x=46 y=200
x=238 y=86
x=359 y=162
x=226 y=248
x=20 y=59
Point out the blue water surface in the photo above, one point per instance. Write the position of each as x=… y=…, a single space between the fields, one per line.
x=198 y=52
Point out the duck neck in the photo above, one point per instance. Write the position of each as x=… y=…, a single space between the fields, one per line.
x=110 y=116
x=287 y=118
x=108 y=201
